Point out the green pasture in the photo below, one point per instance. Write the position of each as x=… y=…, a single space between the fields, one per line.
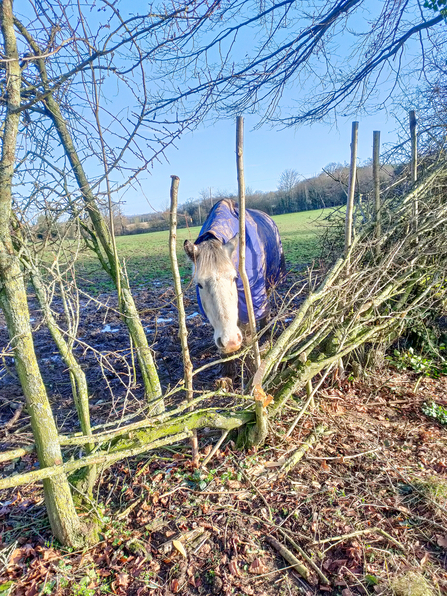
x=146 y=256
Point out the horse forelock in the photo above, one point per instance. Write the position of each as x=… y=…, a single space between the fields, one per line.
x=211 y=260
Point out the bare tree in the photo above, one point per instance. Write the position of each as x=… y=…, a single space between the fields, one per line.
x=287 y=180
x=75 y=134
x=340 y=52
x=63 y=518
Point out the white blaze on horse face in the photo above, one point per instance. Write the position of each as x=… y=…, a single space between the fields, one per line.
x=215 y=276
x=219 y=297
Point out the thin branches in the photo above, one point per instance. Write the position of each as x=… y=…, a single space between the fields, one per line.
x=183 y=332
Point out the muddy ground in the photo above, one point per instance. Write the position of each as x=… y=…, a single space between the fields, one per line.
x=367 y=505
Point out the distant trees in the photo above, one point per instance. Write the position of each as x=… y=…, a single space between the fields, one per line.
x=286 y=190
x=328 y=189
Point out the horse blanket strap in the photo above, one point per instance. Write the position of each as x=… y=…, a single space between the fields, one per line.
x=264 y=261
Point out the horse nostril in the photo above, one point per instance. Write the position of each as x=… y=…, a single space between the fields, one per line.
x=219 y=343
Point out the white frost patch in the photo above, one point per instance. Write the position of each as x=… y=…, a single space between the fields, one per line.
x=108 y=329
x=160 y=321
x=194 y=314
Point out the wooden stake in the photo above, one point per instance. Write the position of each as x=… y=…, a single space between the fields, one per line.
x=242 y=240
x=260 y=431
x=414 y=146
x=376 y=180
x=183 y=332
x=351 y=187
x=414 y=163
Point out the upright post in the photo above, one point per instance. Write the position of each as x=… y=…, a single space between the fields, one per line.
x=351 y=187
x=376 y=181
x=183 y=332
x=259 y=432
x=242 y=240
x=414 y=163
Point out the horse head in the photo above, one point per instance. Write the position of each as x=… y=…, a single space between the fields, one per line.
x=215 y=277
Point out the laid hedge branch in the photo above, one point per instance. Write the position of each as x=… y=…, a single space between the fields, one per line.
x=99 y=438
x=72 y=466
x=139 y=442
x=369 y=297
x=16 y=453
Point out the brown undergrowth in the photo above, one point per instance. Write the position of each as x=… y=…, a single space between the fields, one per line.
x=367 y=505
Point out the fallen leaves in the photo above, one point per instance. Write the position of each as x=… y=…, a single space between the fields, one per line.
x=234 y=568
x=260 y=395
x=179 y=546
x=257 y=567
x=331 y=494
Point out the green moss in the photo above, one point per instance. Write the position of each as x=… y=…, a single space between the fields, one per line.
x=434 y=488
x=411 y=583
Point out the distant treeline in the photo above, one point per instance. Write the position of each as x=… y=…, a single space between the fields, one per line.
x=328 y=189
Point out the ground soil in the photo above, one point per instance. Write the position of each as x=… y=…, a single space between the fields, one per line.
x=170 y=529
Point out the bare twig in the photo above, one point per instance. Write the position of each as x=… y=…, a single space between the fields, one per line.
x=343 y=537
x=288 y=556
x=214 y=450
x=183 y=332
x=305 y=556
x=298 y=454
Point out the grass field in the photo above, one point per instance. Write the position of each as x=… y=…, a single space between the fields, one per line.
x=147 y=260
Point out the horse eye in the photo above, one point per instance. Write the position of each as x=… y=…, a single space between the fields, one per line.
x=200 y=286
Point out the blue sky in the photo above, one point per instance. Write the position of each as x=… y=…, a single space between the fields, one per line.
x=206 y=158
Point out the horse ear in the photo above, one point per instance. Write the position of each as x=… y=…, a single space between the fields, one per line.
x=191 y=250
x=231 y=245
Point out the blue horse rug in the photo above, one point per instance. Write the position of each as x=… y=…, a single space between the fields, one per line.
x=264 y=261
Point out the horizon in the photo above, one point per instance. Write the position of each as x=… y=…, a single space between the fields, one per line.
x=267 y=153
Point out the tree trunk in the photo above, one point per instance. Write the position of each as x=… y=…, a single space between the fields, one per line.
x=103 y=244
x=77 y=378
x=64 y=521
x=127 y=305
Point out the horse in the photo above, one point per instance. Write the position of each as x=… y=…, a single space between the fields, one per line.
x=215 y=259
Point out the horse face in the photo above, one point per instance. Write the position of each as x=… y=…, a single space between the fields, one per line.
x=215 y=276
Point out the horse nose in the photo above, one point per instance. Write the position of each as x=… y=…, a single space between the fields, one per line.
x=233 y=343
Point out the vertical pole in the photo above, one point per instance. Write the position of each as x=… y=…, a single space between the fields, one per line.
x=183 y=332
x=260 y=431
x=351 y=187
x=414 y=146
x=376 y=181
x=242 y=240
x=414 y=162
